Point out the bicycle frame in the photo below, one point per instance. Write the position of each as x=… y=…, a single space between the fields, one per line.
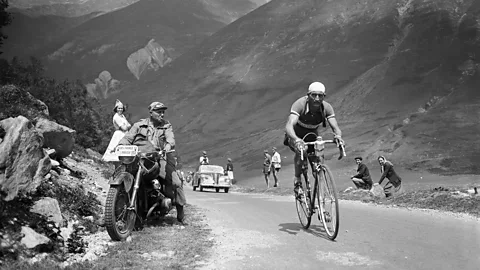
x=308 y=204
x=316 y=164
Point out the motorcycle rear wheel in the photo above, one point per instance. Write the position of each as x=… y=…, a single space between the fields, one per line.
x=119 y=221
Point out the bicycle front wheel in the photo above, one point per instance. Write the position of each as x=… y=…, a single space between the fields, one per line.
x=328 y=202
x=303 y=208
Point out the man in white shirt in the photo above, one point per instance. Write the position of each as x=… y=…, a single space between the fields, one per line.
x=276 y=163
x=204 y=159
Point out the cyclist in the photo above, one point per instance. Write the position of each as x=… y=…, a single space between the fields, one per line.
x=309 y=114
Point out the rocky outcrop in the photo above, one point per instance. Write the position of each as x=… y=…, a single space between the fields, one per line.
x=16 y=101
x=56 y=136
x=94 y=154
x=32 y=239
x=104 y=85
x=152 y=56
x=49 y=208
x=23 y=162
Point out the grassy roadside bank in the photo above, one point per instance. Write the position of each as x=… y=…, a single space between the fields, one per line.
x=454 y=199
x=163 y=244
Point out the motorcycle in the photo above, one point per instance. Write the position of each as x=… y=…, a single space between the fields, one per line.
x=135 y=193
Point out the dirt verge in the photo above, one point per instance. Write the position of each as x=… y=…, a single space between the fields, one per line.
x=163 y=244
x=452 y=199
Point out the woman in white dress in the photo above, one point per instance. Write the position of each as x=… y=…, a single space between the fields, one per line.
x=121 y=127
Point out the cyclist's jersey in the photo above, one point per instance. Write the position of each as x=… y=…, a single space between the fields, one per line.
x=310 y=119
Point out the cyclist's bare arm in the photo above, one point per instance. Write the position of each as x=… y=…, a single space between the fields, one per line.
x=334 y=126
x=292 y=121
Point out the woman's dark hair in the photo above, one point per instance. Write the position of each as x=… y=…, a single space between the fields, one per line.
x=124 y=109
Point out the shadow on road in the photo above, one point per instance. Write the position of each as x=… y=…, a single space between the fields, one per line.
x=295 y=228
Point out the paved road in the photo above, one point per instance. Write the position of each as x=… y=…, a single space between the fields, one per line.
x=263 y=232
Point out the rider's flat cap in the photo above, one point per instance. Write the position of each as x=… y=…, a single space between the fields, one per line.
x=359 y=158
x=157 y=106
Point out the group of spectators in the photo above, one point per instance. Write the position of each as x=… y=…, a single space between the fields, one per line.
x=272 y=165
x=363 y=179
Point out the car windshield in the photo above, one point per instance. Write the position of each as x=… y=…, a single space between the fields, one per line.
x=210 y=169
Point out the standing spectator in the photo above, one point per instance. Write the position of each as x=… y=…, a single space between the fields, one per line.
x=267 y=166
x=204 y=159
x=276 y=163
x=362 y=179
x=229 y=170
x=121 y=125
x=395 y=182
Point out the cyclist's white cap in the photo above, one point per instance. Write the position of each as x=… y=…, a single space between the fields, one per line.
x=316 y=87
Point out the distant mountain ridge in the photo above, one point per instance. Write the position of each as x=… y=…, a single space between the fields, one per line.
x=72 y=8
x=104 y=42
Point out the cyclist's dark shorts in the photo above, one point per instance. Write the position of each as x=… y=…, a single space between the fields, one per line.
x=301 y=132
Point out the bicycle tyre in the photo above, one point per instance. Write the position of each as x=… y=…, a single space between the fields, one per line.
x=303 y=208
x=327 y=190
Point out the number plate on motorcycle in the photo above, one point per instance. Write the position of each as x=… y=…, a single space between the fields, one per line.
x=126 y=150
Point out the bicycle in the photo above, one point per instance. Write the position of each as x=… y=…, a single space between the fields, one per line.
x=323 y=193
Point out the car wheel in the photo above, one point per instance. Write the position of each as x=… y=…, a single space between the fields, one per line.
x=201 y=189
x=217 y=189
x=194 y=188
x=226 y=190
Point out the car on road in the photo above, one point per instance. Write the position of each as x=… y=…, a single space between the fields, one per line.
x=211 y=176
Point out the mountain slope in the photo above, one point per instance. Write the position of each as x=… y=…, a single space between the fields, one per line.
x=28 y=34
x=105 y=42
x=67 y=8
x=388 y=67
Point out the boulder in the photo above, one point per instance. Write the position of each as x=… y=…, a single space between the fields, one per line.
x=15 y=101
x=138 y=61
x=104 y=85
x=49 y=208
x=152 y=56
x=105 y=76
x=377 y=191
x=31 y=238
x=157 y=53
x=56 y=136
x=94 y=154
x=23 y=162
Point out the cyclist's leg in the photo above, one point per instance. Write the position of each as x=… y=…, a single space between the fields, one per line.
x=298 y=164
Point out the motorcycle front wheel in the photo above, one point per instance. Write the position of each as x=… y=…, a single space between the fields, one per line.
x=119 y=220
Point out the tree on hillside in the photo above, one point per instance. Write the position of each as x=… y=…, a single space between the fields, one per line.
x=68 y=102
x=5 y=19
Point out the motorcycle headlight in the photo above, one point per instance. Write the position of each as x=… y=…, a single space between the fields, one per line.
x=126 y=160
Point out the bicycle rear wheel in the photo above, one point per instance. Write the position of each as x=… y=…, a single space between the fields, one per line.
x=328 y=202
x=303 y=207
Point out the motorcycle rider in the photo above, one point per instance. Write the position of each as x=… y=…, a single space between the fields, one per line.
x=308 y=114
x=159 y=133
